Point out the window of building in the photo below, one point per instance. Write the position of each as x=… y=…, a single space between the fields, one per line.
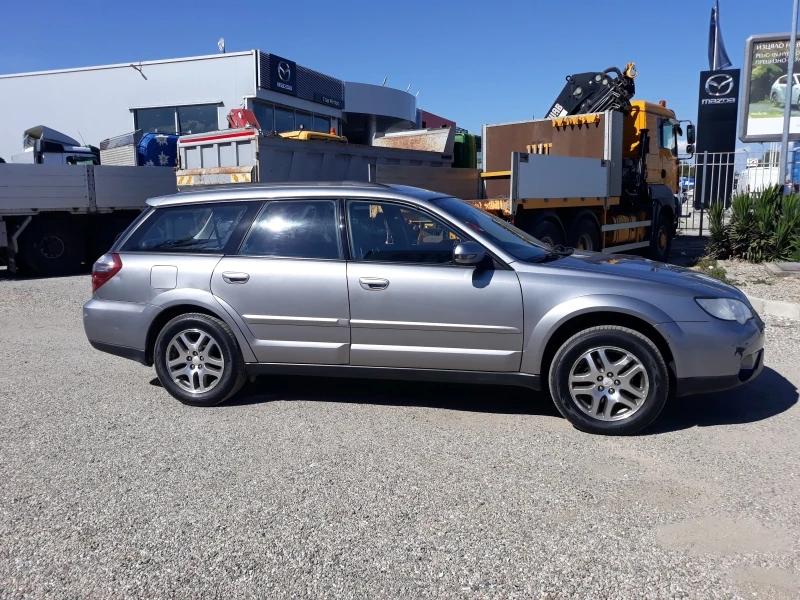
x=198 y=119
x=300 y=229
x=155 y=120
x=304 y=120
x=386 y=232
x=202 y=229
x=284 y=119
x=265 y=113
x=181 y=119
x=322 y=124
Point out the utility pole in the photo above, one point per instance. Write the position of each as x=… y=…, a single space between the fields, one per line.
x=787 y=111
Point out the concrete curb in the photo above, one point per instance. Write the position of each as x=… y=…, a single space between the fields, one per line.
x=776 y=308
x=776 y=270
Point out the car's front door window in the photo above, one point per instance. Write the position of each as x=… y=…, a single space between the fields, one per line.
x=389 y=232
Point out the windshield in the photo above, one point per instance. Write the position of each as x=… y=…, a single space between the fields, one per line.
x=516 y=242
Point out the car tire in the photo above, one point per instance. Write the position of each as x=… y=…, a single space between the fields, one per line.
x=596 y=406
x=547 y=231
x=661 y=242
x=775 y=100
x=584 y=235
x=198 y=360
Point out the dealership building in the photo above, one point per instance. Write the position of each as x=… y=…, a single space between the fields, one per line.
x=195 y=95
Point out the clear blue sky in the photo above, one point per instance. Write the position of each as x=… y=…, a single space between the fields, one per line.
x=472 y=61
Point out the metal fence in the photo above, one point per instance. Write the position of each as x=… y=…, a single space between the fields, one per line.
x=713 y=177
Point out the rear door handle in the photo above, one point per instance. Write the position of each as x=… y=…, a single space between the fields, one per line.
x=373 y=284
x=231 y=277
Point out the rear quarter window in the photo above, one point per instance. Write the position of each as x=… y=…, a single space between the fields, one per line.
x=199 y=228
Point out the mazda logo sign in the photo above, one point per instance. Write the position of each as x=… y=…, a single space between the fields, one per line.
x=719 y=85
x=284 y=71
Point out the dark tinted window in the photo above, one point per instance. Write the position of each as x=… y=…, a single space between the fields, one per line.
x=156 y=120
x=198 y=228
x=296 y=228
x=198 y=119
x=322 y=124
x=265 y=115
x=284 y=119
x=387 y=232
x=306 y=120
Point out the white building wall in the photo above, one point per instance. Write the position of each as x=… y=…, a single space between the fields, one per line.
x=370 y=99
x=95 y=103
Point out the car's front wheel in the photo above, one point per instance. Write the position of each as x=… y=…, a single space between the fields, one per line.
x=198 y=360
x=609 y=380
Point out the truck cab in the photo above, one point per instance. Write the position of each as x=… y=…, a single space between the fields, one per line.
x=45 y=146
x=662 y=153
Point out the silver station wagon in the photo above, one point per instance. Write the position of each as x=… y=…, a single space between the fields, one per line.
x=392 y=282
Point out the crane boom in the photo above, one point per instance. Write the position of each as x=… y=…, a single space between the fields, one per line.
x=585 y=93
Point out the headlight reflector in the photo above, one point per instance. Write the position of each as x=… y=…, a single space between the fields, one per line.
x=726 y=309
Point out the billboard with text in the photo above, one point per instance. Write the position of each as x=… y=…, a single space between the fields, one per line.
x=765 y=89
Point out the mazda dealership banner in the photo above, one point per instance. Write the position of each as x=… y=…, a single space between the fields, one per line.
x=717 y=111
x=766 y=90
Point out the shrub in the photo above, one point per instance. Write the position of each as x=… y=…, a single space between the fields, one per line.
x=719 y=233
x=764 y=226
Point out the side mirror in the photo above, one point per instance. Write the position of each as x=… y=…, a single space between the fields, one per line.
x=690 y=149
x=690 y=139
x=468 y=254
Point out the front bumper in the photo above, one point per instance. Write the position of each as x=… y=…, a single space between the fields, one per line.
x=704 y=385
x=715 y=355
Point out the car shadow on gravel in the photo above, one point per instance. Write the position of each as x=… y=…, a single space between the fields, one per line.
x=772 y=395
x=473 y=398
x=769 y=395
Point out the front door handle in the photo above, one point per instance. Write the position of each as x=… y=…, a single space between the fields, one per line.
x=373 y=284
x=231 y=277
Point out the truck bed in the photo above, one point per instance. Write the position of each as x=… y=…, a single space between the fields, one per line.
x=241 y=156
x=30 y=189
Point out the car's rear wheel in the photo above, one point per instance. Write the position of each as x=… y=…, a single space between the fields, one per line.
x=775 y=100
x=609 y=380
x=198 y=360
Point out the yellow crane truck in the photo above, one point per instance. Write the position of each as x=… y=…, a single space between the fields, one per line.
x=599 y=173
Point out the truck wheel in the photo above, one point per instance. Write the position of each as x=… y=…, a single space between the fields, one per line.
x=51 y=247
x=584 y=235
x=545 y=230
x=661 y=241
x=609 y=380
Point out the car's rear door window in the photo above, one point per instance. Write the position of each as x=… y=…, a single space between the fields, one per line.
x=296 y=229
x=197 y=228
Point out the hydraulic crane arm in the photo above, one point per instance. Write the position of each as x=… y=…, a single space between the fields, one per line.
x=585 y=93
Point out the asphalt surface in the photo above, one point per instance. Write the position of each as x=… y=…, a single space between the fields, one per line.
x=340 y=489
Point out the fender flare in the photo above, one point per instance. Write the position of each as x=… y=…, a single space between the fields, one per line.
x=206 y=300
x=533 y=351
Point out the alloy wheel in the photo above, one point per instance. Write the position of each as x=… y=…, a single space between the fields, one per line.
x=194 y=361
x=608 y=383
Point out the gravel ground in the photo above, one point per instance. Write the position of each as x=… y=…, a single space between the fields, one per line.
x=757 y=281
x=338 y=489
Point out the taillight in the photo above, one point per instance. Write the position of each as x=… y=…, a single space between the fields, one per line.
x=104 y=269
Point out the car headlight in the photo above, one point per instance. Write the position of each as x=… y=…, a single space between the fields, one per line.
x=726 y=309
